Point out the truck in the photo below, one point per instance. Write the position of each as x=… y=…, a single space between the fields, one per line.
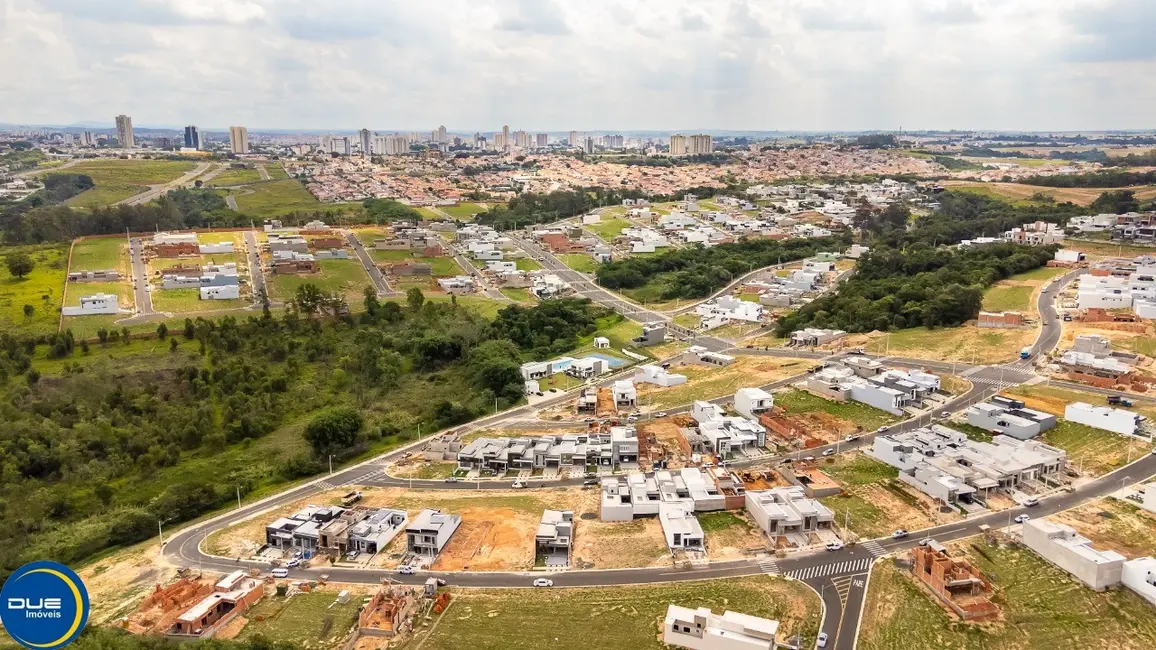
x=1026 y=352
x=1116 y=400
x=351 y=498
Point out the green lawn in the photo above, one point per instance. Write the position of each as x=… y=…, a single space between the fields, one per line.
x=527 y=264
x=221 y=237
x=713 y=522
x=116 y=180
x=43 y=289
x=1043 y=609
x=187 y=301
x=347 y=277
x=314 y=620
x=599 y=618
x=78 y=289
x=858 y=469
x=439 y=266
x=480 y=305
x=1014 y=298
x=429 y=214
x=236 y=177
x=276 y=172
x=463 y=211
x=580 y=262
x=517 y=295
x=1095 y=450
x=609 y=228
x=100 y=253
x=869 y=418
x=865 y=520
x=276 y=198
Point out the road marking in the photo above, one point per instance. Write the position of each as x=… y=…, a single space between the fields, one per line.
x=823 y=570
x=873 y=547
x=768 y=565
x=843 y=588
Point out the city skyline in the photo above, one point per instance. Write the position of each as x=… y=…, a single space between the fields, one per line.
x=737 y=65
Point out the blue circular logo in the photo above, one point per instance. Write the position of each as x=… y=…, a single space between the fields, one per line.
x=44 y=605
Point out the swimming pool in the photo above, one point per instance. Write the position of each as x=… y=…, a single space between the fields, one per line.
x=614 y=362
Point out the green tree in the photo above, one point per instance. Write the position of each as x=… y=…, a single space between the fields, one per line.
x=334 y=430
x=309 y=299
x=28 y=311
x=371 y=303
x=19 y=264
x=162 y=331
x=415 y=299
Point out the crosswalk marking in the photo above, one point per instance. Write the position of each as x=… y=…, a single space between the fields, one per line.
x=325 y=485
x=823 y=570
x=873 y=547
x=768 y=565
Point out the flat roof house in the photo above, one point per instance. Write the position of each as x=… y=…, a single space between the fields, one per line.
x=232 y=595
x=701 y=629
x=1139 y=575
x=99 y=303
x=651 y=374
x=429 y=532
x=1103 y=417
x=1019 y=423
x=752 y=402
x=625 y=395
x=786 y=511
x=302 y=529
x=555 y=536
x=681 y=527
x=1062 y=546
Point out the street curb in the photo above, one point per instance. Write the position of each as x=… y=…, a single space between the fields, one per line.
x=863 y=603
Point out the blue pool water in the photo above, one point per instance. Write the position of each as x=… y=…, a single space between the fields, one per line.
x=614 y=362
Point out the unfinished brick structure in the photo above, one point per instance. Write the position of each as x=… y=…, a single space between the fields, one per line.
x=563 y=244
x=176 y=250
x=294 y=267
x=327 y=243
x=387 y=613
x=957 y=584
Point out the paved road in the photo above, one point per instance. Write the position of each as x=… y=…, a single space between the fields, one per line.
x=231 y=201
x=468 y=266
x=256 y=272
x=156 y=191
x=383 y=290
x=140 y=281
x=263 y=172
x=1052 y=326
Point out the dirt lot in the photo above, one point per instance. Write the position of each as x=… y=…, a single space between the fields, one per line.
x=731 y=535
x=967 y=344
x=665 y=433
x=117 y=584
x=875 y=510
x=708 y=382
x=1138 y=342
x=1114 y=524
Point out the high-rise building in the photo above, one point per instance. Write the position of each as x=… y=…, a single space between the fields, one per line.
x=457 y=141
x=364 y=137
x=573 y=139
x=124 y=131
x=522 y=140
x=192 y=137
x=678 y=145
x=589 y=145
x=613 y=142
x=505 y=136
x=541 y=140
x=440 y=134
x=238 y=139
x=499 y=140
x=87 y=139
x=701 y=143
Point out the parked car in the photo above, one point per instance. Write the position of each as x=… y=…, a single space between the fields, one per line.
x=821 y=642
x=1021 y=519
x=834 y=546
x=882 y=429
x=829 y=452
x=352 y=555
x=405 y=570
x=518 y=485
x=543 y=582
x=660 y=414
x=945 y=414
x=451 y=479
x=589 y=420
x=280 y=572
x=900 y=534
x=852 y=437
x=590 y=481
x=292 y=563
x=1031 y=502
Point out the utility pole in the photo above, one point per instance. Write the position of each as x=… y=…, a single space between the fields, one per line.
x=238 y=497
x=331 y=464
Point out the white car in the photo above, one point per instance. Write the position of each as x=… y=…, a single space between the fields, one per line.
x=518 y=485
x=1021 y=519
x=835 y=546
x=851 y=437
x=405 y=570
x=821 y=642
x=882 y=429
x=829 y=452
x=543 y=582
x=660 y=414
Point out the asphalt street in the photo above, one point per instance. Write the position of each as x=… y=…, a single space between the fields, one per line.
x=256 y=272
x=379 y=283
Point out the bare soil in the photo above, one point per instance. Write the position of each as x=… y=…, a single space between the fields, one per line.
x=1114 y=525
x=116 y=584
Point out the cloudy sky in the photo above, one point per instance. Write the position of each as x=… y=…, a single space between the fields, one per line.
x=582 y=64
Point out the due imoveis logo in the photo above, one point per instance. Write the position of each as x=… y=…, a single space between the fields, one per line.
x=44 y=605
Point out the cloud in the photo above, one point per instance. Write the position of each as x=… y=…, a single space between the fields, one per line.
x=161 y=12
x=840 y=17
x=1116 y=30
x=947 y=12
x=535 y=17
x=693 y=22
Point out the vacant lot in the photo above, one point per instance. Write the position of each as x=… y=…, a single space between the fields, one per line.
x=116 y=180
x=867 y=417
x=439 y=266
x=1116 y=525
x=1020 y=193
x=968 y=344
x=857 y=469
x=100 y=253
x=43 y=289
x=580 y=262
x=276 y=198
x=236 y=177
x=1019 y=292
x=346 y=277
x=608 y=228
x=527 y=264
x=612 y=617
x=1140 y=343
x=731 y=535
x=314 y=620
x=708 y=382
x=518 y=295
x=464 y=211
x=1043 y=609
x=188 y=301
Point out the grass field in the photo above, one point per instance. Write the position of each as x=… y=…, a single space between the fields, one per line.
x=313 y=620
x=236 y=177
x=43 y=289
x=517 y=295
x=116 y=180
x=98 y=254
x=1016 y=292
x=1099 y=250
x=78 y=289
x=968 y=344
x=612 y=617
x=463 y=211
x=527 y=264
x=1022 y=194
x=276 y=198
x=580 y=262
x=276 y=172
x=188 y=301
x=439 y=266
x=863 y=517
x=347 y=277
x=797 y=401
x=858 y=469
x=1043 y=609
x=609 y=228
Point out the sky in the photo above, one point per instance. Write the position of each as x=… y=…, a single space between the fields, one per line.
x=558 y=65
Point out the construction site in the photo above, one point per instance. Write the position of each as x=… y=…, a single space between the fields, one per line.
x=955 y=584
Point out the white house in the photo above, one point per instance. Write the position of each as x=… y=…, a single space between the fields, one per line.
x=681 y=527
x=496 y=266
x=1103 y=417
x=731 y=308
x=221 y=292
x=601 y=343
x=1063 y=547
x=1139 y=575
x=217 y=248
x=751 y=402
x=100 y=303
x=700 y=629
x=625 y=395
x=651 y=374
x=787 y=510
x=1069 y=255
